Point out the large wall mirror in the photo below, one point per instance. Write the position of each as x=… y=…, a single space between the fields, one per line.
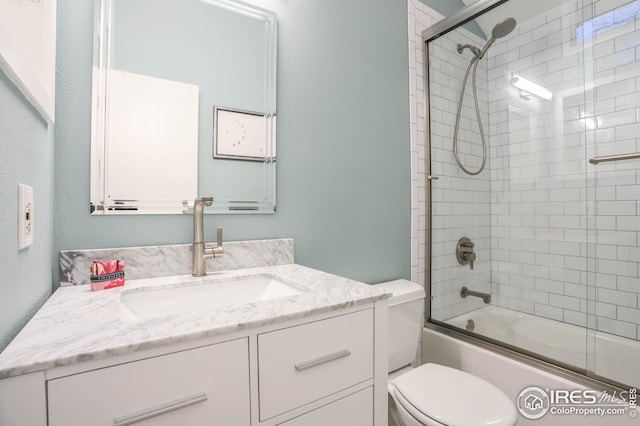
x=183 y=106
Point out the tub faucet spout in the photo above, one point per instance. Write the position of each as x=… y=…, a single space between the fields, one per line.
x=464 y=292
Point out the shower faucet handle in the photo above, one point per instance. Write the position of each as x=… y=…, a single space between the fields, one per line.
x=470 y=257
x=465 y=253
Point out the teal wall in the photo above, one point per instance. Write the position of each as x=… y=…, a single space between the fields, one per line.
x=343 y=181
x=26 y=156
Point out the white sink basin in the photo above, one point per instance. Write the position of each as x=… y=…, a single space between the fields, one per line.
x=197 y=297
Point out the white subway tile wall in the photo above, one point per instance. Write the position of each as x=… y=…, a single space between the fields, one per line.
x=550 y=229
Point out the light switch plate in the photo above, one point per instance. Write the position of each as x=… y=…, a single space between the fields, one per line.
x=25 y=216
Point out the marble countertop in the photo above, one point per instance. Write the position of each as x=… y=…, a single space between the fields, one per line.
x=77 y=325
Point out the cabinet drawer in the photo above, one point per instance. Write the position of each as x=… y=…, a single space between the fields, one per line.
x=302 y=364
x=353 y=410
x=208 y=385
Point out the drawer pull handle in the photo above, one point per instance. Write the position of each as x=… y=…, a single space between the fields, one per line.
x=322 y=360
x=160 y=409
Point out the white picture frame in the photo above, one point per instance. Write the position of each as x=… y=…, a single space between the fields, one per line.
x=28 y=50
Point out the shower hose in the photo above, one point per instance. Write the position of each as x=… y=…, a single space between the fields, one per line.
x=474 y=63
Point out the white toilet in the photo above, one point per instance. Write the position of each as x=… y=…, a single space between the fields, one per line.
x=433 y=394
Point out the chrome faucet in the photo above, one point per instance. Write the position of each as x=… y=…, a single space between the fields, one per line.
x=199 y=248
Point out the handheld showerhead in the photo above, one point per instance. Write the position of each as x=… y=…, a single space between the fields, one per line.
x=500 y=30
x=503 y=28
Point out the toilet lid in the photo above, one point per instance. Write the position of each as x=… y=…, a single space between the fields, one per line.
x=454 y=398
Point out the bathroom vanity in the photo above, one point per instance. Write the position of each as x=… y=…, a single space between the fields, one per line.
x=315 y=357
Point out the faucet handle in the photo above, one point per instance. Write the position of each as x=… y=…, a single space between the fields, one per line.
x=218 y=250
x=471 y=258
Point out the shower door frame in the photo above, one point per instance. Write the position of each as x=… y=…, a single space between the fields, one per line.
x=581 y=376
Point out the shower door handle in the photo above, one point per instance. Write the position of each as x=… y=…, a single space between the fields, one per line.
x=619 y=157
x=432 y=177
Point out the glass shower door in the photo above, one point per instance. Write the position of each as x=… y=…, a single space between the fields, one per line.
x=525 y=213
x=610 y=35
x=533 y=132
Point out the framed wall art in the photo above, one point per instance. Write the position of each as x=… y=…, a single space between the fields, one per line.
x=239 y=135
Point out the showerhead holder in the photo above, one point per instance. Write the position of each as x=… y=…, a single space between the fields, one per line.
x=460 y=48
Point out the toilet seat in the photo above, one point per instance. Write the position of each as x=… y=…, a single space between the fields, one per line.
x=433 y=392
x=417 y=414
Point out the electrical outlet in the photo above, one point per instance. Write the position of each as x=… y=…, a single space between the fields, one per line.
x=25 y=216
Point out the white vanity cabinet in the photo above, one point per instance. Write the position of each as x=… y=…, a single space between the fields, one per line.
x=316 y=370
x=194 y=387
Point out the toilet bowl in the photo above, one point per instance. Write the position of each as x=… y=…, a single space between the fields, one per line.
x=433 y=394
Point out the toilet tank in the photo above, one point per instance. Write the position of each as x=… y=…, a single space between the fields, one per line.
x=405 y=321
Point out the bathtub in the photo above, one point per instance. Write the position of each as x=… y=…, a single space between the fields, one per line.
x=610 y=356
x=614 y=357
